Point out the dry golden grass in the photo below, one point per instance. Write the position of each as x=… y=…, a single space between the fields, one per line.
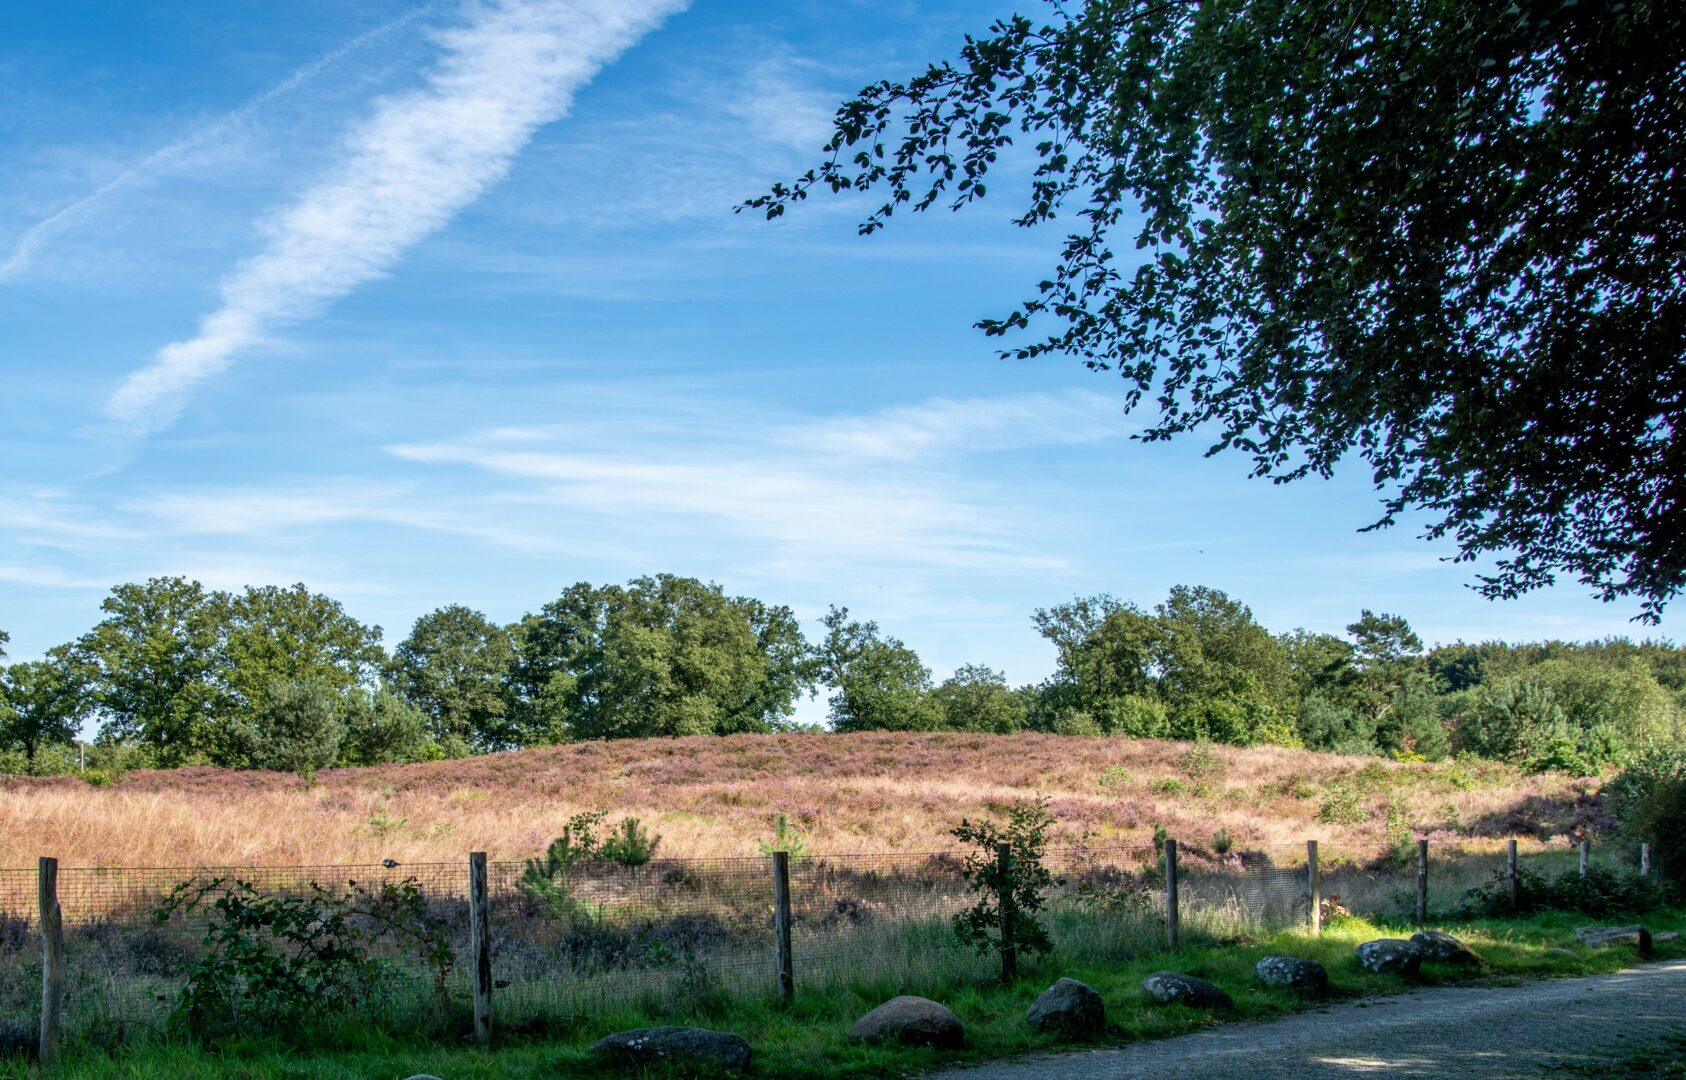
x=709 y=796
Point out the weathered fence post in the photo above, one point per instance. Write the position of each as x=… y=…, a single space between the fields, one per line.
x=52 y=959
x=1314 y=884
x=1171 y=913
x=1586 y=857
x=1009 y=945
x=781 y=925
x=480 y=940
x=1422 y=881
x=1511 y=878
x=1644 y=860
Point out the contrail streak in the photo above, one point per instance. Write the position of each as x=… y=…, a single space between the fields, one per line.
x=23 y=252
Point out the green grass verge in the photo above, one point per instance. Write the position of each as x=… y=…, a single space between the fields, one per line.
x=809 y=1038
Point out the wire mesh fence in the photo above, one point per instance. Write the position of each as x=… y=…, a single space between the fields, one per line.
x=596 y=937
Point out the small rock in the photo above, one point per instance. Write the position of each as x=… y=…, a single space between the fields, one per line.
x=648 y=1046
x=911 y=1021
x=1390 y=954
x=1594 y=937
x=421 y=1076
x=1070 y=1007
x=1292 y=972
x=1443 y=948
x=1168 y=987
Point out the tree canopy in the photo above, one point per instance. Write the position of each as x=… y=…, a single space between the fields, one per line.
x=1443 y=237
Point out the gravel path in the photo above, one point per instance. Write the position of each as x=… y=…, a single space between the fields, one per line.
x=1488 y=1032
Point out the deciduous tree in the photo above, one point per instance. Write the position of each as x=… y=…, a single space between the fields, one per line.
x=1443 y=238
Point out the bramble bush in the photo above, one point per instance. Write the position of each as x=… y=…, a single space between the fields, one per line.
x=274 y=963
x=1602 y=892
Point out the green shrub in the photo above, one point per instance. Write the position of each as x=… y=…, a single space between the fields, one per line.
x=786 y=838
x=1167 y=785
x=1024 y=881
x=1222 y=842
x=1648 y=801
x=1114 y=777
x=630 y=844
x=276 y=963
x=1201 y=764
x=1601 y=893
x=546 y=882
x=1343 y=804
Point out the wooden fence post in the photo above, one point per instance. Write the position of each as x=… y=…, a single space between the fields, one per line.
x=781 y=925
x=1422 y=881
x=1171 y=913
x=52 y=959
x=1586 y=856
x=1644 y=860
x=480 y=940
x=1009 y=944
x=1510 y=876
x=1314 y=884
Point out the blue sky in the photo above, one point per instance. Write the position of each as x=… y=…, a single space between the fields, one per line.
x=423 y=304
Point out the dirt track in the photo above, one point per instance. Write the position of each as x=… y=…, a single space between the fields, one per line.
x=1489 y=1032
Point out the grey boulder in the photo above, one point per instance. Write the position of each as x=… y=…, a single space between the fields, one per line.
x=1598 y=936
x=1069 y=1007
x=1444 y=948
x=650 y=1046
x=911 y=1021
x=1173 y=987
x=1390 y=954
x=1292 y=972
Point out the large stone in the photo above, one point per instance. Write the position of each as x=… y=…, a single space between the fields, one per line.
x=911 y=1021
x=1390 y=954
x=651 y=1046
x=1292 y=972
x=1069 y=1007
x=1173 y=987
x=1599 y=936
x=1443 y=948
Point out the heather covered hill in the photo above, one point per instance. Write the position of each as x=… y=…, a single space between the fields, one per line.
x=717 y=796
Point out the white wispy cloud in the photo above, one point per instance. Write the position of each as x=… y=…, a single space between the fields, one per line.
x=881 y=487
x=411 y=166
x=950 y=426
x=31 y=240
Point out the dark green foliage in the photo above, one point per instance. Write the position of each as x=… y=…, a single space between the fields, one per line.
x=660 y=656
x=630 y=844
x=1198 y=667
x=1601 y=893
x=976 y=698
x=1648 y=800
x=880 y=683
x=1025 y=881
x=158 y=652
x=296 y=727
x=281 y=963
x=1441 y=238
x=383 y=727
x=455 y=666
x=546 y=882
x=43 y=703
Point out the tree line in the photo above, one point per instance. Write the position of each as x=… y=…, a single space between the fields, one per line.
x=284 y=678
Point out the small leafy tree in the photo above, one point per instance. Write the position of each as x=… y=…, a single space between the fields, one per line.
x=1023 y=882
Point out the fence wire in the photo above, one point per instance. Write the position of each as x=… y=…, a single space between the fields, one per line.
x=595 y=937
